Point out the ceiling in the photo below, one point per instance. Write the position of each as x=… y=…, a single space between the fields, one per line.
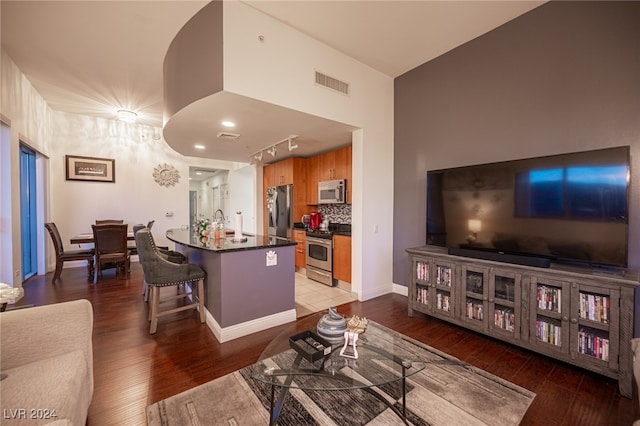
x=95 y=57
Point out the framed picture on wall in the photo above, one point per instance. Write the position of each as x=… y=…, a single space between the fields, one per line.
x=90 y=168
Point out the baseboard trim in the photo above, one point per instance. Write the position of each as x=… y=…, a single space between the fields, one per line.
x=243 y=329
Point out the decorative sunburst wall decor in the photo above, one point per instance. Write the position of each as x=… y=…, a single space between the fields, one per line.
x=166 y=175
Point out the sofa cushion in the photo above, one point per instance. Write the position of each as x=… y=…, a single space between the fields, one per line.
x=46 y=391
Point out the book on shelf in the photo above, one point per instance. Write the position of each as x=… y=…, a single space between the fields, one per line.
x=422 y=294
x=442 y=301
x=593 y=343
x=422 y=271
x=443 y=275
x=595 y=307
x=475 y=310
x=549 y=332
x=504 y=318
x=549 y=298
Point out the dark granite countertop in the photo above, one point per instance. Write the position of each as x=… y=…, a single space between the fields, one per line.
x=254 y=242
x=340 y=229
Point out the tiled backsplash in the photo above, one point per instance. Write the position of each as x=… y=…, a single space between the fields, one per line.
x=336 y=213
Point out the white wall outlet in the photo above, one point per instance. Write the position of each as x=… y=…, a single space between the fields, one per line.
x=272 y=258
x=375 y=229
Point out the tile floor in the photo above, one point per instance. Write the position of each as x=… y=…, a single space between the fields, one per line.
x=312 y=296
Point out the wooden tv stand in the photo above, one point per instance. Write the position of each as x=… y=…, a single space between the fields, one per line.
x=568 y=313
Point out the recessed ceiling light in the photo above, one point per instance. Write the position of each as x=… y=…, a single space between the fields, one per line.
x=198 y=173
x=228 y=123
x=198 y=146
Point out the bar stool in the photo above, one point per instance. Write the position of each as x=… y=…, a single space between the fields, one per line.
x=160 y=272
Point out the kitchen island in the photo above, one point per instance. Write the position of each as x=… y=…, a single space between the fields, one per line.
x=250 y=285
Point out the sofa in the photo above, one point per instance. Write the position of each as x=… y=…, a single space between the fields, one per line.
x=46 y=364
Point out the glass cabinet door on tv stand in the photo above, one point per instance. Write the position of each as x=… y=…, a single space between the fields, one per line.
x=444 y=279
x=595 y=324
x=549 y=314
x=432 y=287
x=475 y=290
x=505 y=296
x=421 y=292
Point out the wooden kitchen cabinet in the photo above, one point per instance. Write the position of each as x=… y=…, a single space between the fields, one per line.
x=300 y=237
x=329 y=166
x=312 y=180
x=280 y=173
x=335 y=164
x=342 y=258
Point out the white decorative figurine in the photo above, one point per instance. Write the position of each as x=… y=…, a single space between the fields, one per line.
x=355 y=326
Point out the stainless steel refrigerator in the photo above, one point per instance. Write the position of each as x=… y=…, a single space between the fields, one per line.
x=280 y=211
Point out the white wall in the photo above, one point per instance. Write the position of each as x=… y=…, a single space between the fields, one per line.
x=280 y=70
x=135 y=196
x=29 y=120
x=75 y=205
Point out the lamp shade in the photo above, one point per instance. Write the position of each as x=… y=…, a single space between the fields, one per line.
x=475 y=225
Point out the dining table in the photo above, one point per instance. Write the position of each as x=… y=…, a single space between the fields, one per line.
x=87 y=237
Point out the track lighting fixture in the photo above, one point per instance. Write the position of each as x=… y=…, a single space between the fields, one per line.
x=256 y=157
x=292 y=146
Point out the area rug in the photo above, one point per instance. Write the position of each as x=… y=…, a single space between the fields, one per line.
x=447 y=392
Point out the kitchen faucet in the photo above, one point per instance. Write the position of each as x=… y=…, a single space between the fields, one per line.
x=215 y=216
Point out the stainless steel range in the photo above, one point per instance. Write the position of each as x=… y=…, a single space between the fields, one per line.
x=320 y=257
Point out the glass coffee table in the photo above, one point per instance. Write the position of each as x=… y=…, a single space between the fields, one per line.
x=383 y=358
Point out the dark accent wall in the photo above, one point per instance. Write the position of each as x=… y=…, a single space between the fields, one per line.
x=564 y=77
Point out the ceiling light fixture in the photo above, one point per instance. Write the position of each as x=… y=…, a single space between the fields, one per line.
x=228 y=123
x=292 y=146
x=127 y=116
x=273 y=149
x=198 y=146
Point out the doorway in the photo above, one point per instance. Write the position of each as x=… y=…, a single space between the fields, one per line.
x=28 y=212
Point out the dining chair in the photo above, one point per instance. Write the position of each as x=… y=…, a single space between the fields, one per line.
x=160 y=272
x=111 y=247
x=109 y=221
x=133 y=250
x=64 y=256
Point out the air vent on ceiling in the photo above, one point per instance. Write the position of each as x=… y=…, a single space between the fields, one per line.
x=332 y=83
x=228 y=136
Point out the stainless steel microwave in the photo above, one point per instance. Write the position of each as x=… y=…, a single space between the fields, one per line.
x=332 y=192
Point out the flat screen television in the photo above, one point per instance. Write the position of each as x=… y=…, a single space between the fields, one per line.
x=568 y=208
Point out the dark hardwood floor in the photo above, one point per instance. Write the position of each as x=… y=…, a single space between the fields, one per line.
x=133 y=369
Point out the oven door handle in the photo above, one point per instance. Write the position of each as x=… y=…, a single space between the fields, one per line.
x=320 y=241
